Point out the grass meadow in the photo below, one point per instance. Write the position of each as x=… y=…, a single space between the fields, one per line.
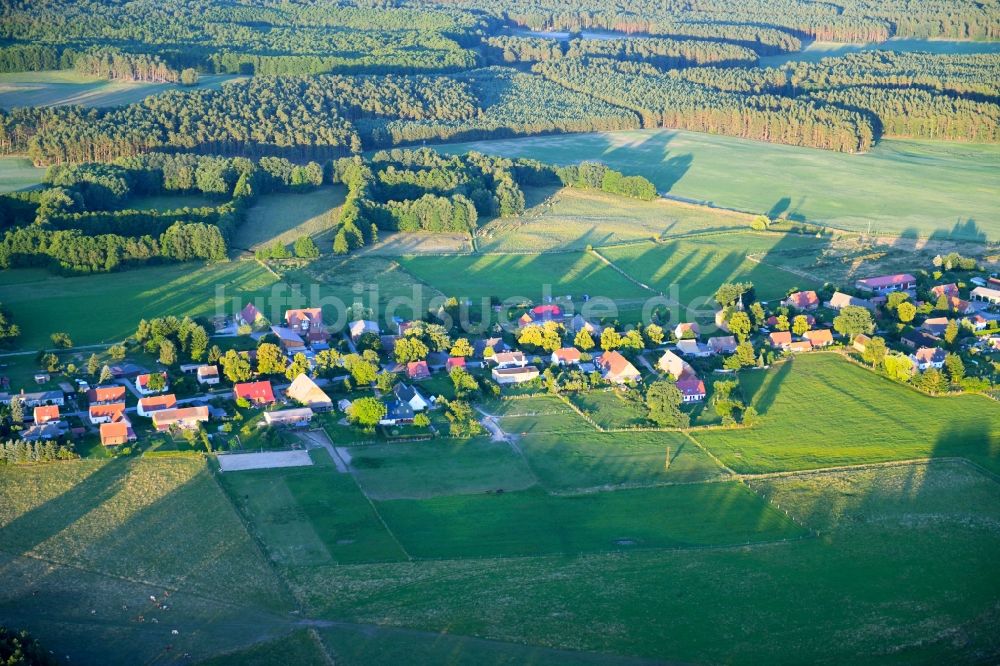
x=18 y=173
x=65 y=87
x=817 y=50
x=901 y=187
x=284 y=217
x=819 y=410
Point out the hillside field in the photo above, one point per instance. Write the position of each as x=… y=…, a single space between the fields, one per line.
x=17 y=173
x=65 y=87
x=901 y=187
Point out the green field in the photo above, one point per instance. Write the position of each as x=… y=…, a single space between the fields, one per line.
x=65 y=87
x=904 y=187
x=818 y=50
x=610 y=409
x=285 y=217
x=819 y=410
x=167 y=202
x=17 y=173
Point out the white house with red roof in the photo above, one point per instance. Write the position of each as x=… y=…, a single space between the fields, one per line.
x=926 y=358
x=256 y=393
x=616 y=369
x=142 y=384
x=155 y=403
x=566 y=356
x=692 y=389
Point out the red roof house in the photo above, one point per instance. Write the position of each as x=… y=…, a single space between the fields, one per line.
x=887 y=283
x=418 y=370
x=780 y=339
x=821 y=337
x=256 y=393
x=566 y=356
x=691 y=388
x=105 y=394
x=106 y=413
x=46 y=413
x=116 y=434
x=454 y=362
x=156 y=403
x=803 y=300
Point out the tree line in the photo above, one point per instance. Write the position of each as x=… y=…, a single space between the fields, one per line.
x=662 y=52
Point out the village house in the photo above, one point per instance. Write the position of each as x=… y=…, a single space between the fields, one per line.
x=412 y=397
x=692 y=389
x=418 y=370
x=780 y=339
x=722 y=344
x=926 y=358
x=977 y=322
x=578 y=323
x=45 y=413
x=840 y=300
x=184 y=418
x=694 y=348
x=106 y=412
x=512 y=359
x=821 y=337
x=117 y=433
x=540 y=314
x=672 y=364
x=884 y=284
x=566 y=356
x=687 y=330
x=250 y=316
x=616 y=368
x=454 y=362
x=950 y=289
x=720 y=321
x=985 y=294
x=802 y=300
x=298 y=417
x=916 y=338
x=42 y=432
x=860 y=342
x=799 y=346
x=289 y=339
x=147 y=406
x=396 y=413
x=935 y=325
x=306 y=392
x=256 y=393
x=106 y=394
x=358 y=328
x=515 y=374
x=142 y=384
x=960 y=306
x=208 y=375
x=495 y=345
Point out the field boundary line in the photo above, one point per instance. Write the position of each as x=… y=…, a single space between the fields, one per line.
x=859 y=467
x=711 y=455
x=585 y=417
x=327 y=657
x=628 y=277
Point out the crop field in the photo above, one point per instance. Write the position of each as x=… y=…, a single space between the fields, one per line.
x=18 y=173
x=42 y=303
x=591 y=460
x=819 y=410
x=284 y=217
x=523 y=276
x=572 y=219
x=901 y=187
x=65 y=87
x=698 y=265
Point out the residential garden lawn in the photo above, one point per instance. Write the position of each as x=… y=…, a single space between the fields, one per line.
x=442 y=466
x=532 y=522
x=572 y=219
x=872 y=578
x=285 y=217
x=18 y=173
x=537 y=414
x=820 y=410
x=107 y=307
x=590 y=460
x=610 y=409
x=65 y=87
x=311 y=515
x=698 y=265
x=912 y=187
x=522 y=276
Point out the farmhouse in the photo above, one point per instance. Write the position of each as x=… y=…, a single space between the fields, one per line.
x=289 y=339
x=802 y=300
x=515 y=375
x=687 y=330
x=821 y=337
x=692 y=389
x=105 y=394
x=157 y=403
x=306 y=392
x=418 y=370
x=250 y=316
x=799 y=346
x=694 y=348
x=672 y=364
x=298 y=417
x=935 y=325
x=615 y=368
x=411 y=396
x=362 y=326
x=985 y=294
x=185 y=418
x=513 y=359
x=940 y=290
x=840 y=300
x=308 y=322
x=208 y=375
x=256 y=393
x=566 y=356
x=454 y=362
x=116 y=434
x=916 y=338
x=396 y=413
x=45 y=413
x=722 y=344
x=928 y=357
x=142 y=384
x=780 y=339
x=884 y=284
x=106 y=412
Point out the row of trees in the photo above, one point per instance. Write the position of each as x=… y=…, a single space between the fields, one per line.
x=660 y=51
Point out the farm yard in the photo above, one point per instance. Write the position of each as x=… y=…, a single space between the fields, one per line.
x=913 y=188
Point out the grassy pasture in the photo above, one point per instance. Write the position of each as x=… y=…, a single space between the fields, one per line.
x=533 y=523
x=589 y=460
x=522 y=276
x=438 y=467
x=817 y=50
x=609 y=409
x=819 y=410
x=699 y=265
x=167 y=202
x=902 y=187
x=18 y=173
x=65 y=87
x=571 y=219
x=284 y=217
